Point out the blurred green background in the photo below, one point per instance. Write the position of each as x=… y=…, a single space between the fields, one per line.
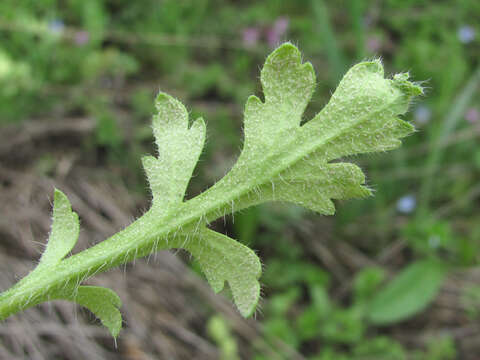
x=394 y=276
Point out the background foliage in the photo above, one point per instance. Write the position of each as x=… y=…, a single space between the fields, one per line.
x=391 y=277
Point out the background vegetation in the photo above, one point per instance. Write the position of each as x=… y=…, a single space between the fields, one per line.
x=395 y=276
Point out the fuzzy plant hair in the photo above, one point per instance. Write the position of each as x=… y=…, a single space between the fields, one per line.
x=282 y=160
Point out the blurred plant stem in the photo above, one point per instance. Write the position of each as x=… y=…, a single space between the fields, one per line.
x=357 y=9
x=336 y=58
x=440 y=137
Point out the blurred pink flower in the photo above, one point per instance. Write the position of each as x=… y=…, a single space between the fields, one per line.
x=250 y=36
x=373 y=44
x=275 y=33
x=81 y=37
x=472 y=115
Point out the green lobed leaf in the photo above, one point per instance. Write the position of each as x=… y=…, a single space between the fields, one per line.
x=64 y=233
x=408 y=293
x=224 y=259
x=102 y=302
x=281 y=160
x=288 y=86
x=288 y=162
x=313 y=186
x=178 y=150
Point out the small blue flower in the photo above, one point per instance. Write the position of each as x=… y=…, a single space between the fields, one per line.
x=422 y=115
x=406 y=204
x=56 y=26
x=466 y=34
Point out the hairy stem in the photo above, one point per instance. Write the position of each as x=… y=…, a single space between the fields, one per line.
x=150 y=233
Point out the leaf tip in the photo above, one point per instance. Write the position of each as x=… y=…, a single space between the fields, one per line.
x=285 y=53
x=249 y=308
x=169 y=111
x=373 y=66
x=59 y=199
x=408 y=88
x=199 y=126
x=286 y=48
x=161 y=99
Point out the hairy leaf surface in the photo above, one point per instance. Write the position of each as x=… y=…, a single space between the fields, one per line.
x=224 y=259
x=102 y=302
x=64 y=233
x=178 y=150
x=284 y=158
